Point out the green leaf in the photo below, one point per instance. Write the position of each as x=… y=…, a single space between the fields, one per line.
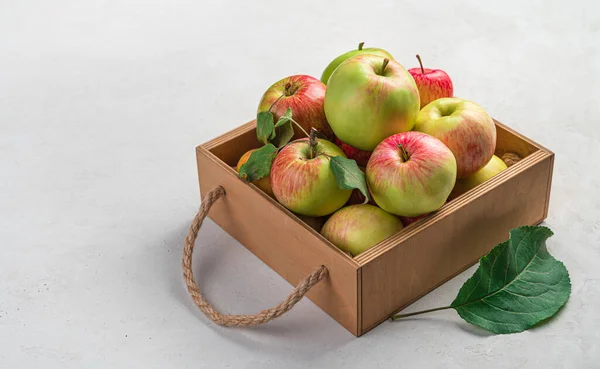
x=258 y=164
x=286 y=117
x=265 y=130
x=284 y=131
x=517 y=285
x=348 y=175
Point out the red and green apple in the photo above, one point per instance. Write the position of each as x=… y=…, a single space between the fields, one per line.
x=433 y=84
x=411 y=174
x=465 y=127
x=302 y=180
x=357 y=228
x=369 y=98
x=304 y=95
x=340 y=59
x=360 y=156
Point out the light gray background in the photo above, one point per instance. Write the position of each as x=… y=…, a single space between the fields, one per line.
x=103 y=102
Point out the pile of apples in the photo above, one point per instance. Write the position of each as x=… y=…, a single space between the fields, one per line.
x=415 y=145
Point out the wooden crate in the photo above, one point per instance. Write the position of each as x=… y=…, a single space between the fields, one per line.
x=363 y=291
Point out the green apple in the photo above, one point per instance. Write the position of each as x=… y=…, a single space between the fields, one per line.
x=302 y=181
x=357 y=228
x=411 y=174
x=464 y=127
x=340 y=59
x=493 y=167
x=369 y=98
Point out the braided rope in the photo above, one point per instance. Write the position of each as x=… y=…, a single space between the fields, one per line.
x=228 y=319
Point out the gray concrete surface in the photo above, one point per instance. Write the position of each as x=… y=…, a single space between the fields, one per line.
x=102 y=103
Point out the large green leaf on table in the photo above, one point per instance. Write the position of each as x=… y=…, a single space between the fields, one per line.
x=348 y=175
x=265 y=129
x=517 y=285
x=258 y=164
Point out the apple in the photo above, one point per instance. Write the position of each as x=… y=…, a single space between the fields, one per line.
x=411 y=174
x=304 y=95
x=302 y=181
x=263 y=183
x=433 y=84
x=360 y=156
x=337 y=61
x=357 y=228
x=369 y=98
x=406 y=221
x=493 y=167
x=464 y=127
x=315 y=223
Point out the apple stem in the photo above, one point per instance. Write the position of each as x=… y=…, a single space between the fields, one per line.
x=385 y=63
x=400 y=316
x=288 y=91
x=313 y=142
x=360 y=46
x=403 y=153
x=421 y=64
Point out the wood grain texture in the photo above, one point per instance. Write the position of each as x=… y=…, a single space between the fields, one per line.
x=279 y=238
x=362 y=292
x=451 y=241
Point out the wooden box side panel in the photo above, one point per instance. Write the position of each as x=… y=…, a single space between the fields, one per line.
x=281 y=241
x=507 y=140
x=455 y=238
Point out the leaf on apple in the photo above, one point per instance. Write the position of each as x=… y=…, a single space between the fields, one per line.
x=265 y=129
x=348 y=175
x=284 y=131
x=286 y=117
x=259 y=163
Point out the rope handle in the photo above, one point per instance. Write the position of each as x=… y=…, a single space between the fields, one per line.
x=230 y=320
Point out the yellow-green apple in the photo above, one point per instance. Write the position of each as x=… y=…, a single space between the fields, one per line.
x=360 y=156
x=411 y=173
x=357 y=228
x=493 y=167
x=464 y=127
x=340 y=59
x=369 y=98
x=302 y=180
x=263 y=183
x=304 y=95
x=433 y=84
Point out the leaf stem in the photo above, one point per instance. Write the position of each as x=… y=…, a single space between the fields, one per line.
x=421 y=64
x=300 y=127
x=400 y=316
x=275 y=102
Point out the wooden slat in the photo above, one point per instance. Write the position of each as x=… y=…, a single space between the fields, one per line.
x=362 y=292
x=281 y=240
x=449 y=243
x=449 y=208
